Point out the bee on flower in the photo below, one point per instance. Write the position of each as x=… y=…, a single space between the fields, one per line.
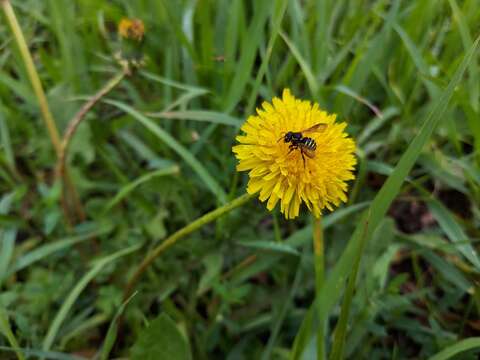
x=296 y=153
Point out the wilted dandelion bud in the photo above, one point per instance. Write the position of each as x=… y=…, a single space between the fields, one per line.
x=131 y=35
x=131 y=29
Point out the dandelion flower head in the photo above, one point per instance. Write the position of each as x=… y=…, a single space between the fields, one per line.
x=280 y=173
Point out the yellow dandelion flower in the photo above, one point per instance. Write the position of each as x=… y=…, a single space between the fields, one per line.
x=131 y=29
x=312 y=169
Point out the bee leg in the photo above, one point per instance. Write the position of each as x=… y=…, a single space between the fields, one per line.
x=291 y=147
x=303 y=157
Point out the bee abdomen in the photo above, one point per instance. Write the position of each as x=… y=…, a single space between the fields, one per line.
x=309 y=143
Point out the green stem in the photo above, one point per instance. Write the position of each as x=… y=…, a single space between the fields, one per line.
x=73 y=124
x=319 y=261
x=172 y=239
x=318 y=249
x=80 y=115
x=276 y=227
x=32 y=74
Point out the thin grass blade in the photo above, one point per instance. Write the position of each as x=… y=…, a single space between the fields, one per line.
x=199 y=115
x=77 y=290
x=168 y=139
x=457 y=348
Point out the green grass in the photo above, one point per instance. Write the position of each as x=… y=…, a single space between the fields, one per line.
x=155 y=154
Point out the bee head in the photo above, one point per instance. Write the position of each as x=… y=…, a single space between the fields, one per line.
x=288 y=137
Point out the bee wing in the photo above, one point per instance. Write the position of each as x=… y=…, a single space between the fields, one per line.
x=315 y=128
x=308 y=152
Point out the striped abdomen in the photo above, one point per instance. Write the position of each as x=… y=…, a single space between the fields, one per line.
x=309 y=143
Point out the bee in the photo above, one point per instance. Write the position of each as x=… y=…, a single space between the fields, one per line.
x=306 y=145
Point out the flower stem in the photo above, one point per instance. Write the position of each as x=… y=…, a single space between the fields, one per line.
x=80 y=115
x=318 y=249
x=319 y=263
x=32 y=74
x=73 y=124
x=172 y=239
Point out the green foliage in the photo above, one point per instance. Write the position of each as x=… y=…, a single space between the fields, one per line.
x=161 y=340
x=155 y=154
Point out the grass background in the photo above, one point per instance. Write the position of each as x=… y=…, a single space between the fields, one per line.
x=241 y=287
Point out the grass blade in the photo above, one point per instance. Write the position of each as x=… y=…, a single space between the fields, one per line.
x=376 y=124
x=417 y=58
x=453 y=231
x=362 y=65
x=5 y=138
x=33 y=74
x=270 y=246
x=307 y=71
x=134 y=184
x=173 y=83
x=345 y=90
x=39 y=354
x=279 y=317
x=461 y=346
x=6 y=330
x=199 y=115
x=467 y=41
x=112 y=330
x=77 y=290
x=277 y=21
x=7 y=244
x=341 y=329
x=168 y=139
x=48 y=249
x=248 y=53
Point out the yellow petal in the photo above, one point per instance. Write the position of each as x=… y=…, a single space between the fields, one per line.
x=272 y=201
